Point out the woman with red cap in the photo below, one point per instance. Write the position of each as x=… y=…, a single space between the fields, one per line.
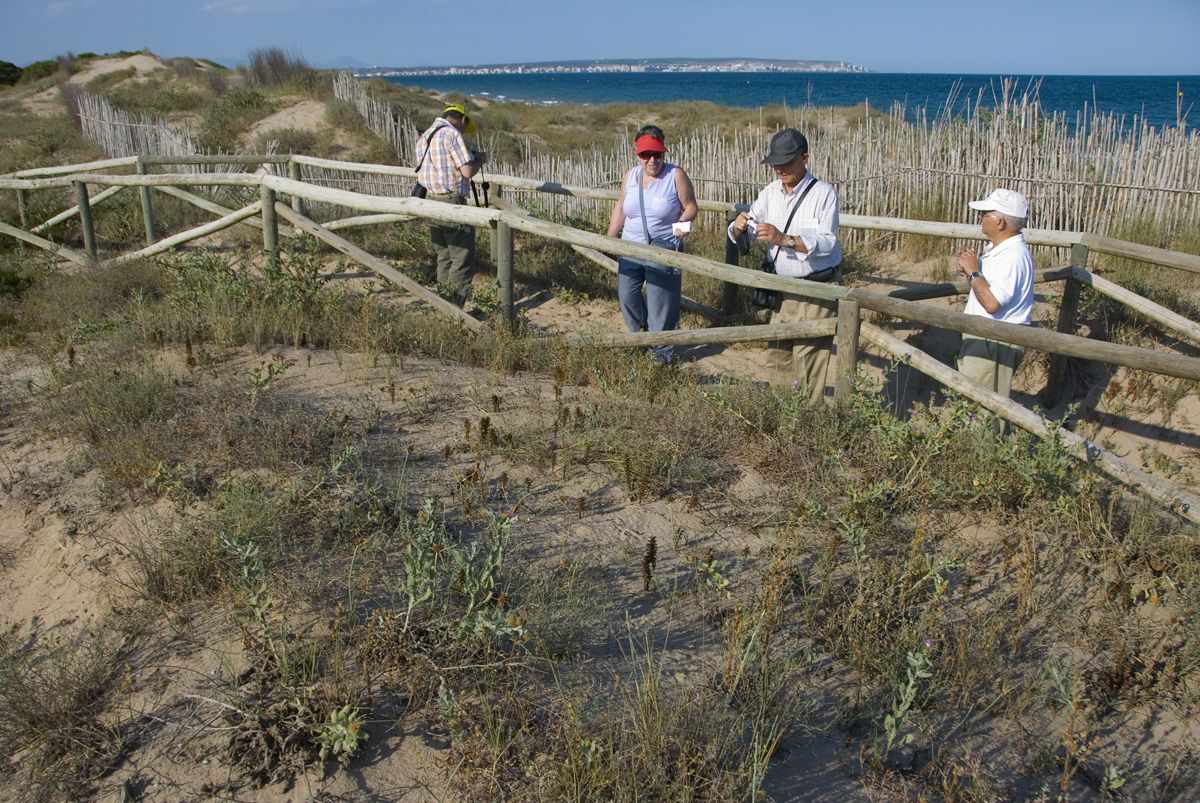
x=655 y=196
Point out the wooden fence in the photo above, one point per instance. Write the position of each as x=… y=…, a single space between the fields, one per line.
x=848 y=327
x=1095 y=170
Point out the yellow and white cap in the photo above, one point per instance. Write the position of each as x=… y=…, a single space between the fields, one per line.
x=458 y=107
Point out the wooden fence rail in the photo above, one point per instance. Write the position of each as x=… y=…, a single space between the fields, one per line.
x=54 y=248
x=273 y=181
x=45 y=178
x=62 y=170
x=1180 y=500
x=958 y=231
x=73 y=211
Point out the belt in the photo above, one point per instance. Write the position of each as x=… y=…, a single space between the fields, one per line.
x=825 y=275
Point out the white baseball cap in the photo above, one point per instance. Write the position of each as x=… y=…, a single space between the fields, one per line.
x=1006 y=202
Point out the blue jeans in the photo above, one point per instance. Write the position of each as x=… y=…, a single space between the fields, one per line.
x=659 y=310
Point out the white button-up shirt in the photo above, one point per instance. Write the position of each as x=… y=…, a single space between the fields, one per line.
x=815 y=224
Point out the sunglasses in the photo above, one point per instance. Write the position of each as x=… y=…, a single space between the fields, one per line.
x=648 y=155
x=790 y=162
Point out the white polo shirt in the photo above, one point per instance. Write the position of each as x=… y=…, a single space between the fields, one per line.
x=1008 y=268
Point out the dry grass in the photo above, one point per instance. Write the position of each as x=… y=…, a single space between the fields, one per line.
x=967 y=617
x=273 y=66
x=357 y=599
x=55 y=706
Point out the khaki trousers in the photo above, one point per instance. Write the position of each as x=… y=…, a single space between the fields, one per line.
x=989 y=363
x=454 y=244
x=800 y=363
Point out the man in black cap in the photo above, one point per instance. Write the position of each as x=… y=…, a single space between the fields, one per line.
x=796 y=218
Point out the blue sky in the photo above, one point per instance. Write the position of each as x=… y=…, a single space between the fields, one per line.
x=1007 y=37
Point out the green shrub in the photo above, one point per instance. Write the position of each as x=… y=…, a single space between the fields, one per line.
x=342 y=114
x=15 y=274
x=104 y=82
x=290 y=140
x=224 y=122
x=39 y=70
x=156 y=97
x=9 y=73
x=34 y=141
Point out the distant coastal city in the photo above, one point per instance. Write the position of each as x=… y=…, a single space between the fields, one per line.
x=620 y=66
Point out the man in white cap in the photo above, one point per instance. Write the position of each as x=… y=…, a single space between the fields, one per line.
x=796 y=218
x=445 y=167
x=1001 y=288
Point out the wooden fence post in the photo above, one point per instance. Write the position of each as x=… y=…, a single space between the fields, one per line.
x=270 y=220
x=729 y=289
x=298 y=204
x=85 y=221
x=1067 y=312
x=848 y=320
x=21 y=208
x=502 y=237
x=147 y=207
x=493 y=241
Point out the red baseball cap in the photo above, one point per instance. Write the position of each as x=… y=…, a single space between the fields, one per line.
x=646 y=142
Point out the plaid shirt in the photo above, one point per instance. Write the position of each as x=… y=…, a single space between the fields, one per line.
x=447 y=152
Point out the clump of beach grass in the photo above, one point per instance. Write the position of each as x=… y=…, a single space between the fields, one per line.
x=56 y=713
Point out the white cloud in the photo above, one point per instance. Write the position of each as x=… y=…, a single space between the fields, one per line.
x=252 y=6
x=245 y=6
x=60 y=8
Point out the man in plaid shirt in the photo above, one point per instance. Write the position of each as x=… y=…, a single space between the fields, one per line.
x=446 y=167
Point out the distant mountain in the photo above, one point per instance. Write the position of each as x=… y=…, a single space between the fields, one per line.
x=344 y=63
x=745 y=64
x=225 y=60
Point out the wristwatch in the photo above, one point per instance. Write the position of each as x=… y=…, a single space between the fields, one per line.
x=791 y=242
x=975 y=275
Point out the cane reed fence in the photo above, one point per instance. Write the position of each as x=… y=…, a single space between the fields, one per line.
x=119 y=133
x=1091 y=170
x=386 y=201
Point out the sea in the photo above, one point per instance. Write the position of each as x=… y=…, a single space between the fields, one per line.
x=1153 y=99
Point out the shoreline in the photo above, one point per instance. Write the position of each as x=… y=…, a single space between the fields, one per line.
x=1132 y=101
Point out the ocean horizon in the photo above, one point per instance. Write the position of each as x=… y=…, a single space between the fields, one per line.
x=1149 y=98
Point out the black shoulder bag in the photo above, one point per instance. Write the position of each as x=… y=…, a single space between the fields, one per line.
x=667 y=244
x=761 y=297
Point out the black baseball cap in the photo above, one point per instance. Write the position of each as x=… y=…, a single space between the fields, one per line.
x=785 y=146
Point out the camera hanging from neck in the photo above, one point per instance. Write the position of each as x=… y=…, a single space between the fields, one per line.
x=482 y=182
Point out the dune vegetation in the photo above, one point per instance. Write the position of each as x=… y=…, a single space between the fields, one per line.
x=268 y=536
